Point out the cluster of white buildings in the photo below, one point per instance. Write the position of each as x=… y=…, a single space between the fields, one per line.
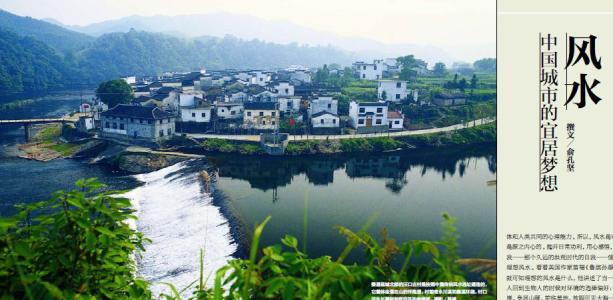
x=214 y=101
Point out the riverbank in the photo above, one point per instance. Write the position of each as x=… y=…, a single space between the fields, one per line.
x=480 y=134
x=59 y=141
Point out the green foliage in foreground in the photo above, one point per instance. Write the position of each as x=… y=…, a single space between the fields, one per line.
x=78 y=245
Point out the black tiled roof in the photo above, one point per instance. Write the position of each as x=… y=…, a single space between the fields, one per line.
x=372 y=104
x=140 y=112
x=321 y=113
x=165 y=90
x=261 y=105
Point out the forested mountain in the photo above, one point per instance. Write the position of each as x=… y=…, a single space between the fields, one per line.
x=53 y=35
x=36 y=56
x=28 y=65
x=143 y=53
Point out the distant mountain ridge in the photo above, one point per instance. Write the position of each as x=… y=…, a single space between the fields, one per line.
x=53 y=35
x=249 y=27
x=36 y=62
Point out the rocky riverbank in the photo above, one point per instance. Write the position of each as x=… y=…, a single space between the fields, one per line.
x=52 y=141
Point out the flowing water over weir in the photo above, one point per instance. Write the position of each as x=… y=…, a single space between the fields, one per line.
x=177 y=213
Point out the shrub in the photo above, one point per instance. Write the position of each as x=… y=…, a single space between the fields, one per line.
x=249 y=149
x=77 y=244
x=219 y=145
x=355 y=145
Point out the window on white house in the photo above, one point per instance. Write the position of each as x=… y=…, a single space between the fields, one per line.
x=273 y=122
x=114 y=125
x=398 y=84
x=362 y=110
x=379 y=110
x=273 y=113
x=287 y=91
x=203 y=115
x=121 y=126
x=193 y=115
x=378 y=122
x=161 y=132
x=261 y=114
x=321 y=121
x=333 y=121
x=364 y=75
x=248 y=114
x=329 y=105
x=361 y=121
x=233 y=112
x=397 y=122
x=169 y=131
x=397 y=96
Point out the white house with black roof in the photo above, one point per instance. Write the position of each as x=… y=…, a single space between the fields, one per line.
x=137 y=123
x=325 y=119
x=368 y=117
x=261 y=115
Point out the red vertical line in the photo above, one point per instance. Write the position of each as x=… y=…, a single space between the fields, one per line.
x=540 y=57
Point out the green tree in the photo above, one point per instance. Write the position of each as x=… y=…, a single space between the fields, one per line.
x=408 y=62
x=114 y=92
x=462 y=84
x=486 y=65
x=440 y=69
x=473 y=82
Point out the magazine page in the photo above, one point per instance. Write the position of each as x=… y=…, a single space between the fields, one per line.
x=274 y=149
x=553 y=203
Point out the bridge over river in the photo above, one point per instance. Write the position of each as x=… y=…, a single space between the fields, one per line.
x=27 y=123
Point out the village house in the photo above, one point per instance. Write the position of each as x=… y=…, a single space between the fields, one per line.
x=284 y=88
x=147 y=101
x=367 y=117
x=259 y=77
x=395 y=120
x=239 y=97
x=142 y=90
x=392 y=90
x=449 y=99
x=321 y=104
x=261 y=115
x=370 y=72
x=199 y=111
x=325 y=122
x=85 y=123
x=229 y=110
x=137 y=123
x=289 y=104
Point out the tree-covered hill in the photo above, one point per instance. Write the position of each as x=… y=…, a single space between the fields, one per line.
x=53 y=35
x=37 y=56
x=28 y=65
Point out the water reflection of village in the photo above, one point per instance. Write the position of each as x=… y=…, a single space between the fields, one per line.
x=269 y=173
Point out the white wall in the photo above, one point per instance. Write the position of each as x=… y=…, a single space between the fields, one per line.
x=395 y=90
x=360 y=112
x=371 y=72
x=196 y=114
x=229 y=112
x=325 y=121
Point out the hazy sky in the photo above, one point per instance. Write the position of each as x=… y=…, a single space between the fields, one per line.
x=459 y=24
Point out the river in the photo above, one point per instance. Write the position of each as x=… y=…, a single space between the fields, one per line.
x=306 y=197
